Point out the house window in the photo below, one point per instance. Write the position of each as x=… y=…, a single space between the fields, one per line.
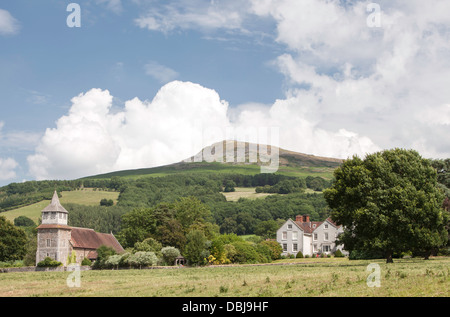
x=295 y=235
x=289 y=226
x=314 y=225
x=314 y=247
x=326 y=236
x=295 y=247
x=315 y=236
x=284 y=236
x=326 y=226
x=326 y=248
x=285 y=247
x=48 y=242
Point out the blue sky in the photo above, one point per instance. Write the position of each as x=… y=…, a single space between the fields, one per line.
x=150 y=75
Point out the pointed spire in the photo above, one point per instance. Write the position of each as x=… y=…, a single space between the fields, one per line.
x=55 y=205
x=55 y=198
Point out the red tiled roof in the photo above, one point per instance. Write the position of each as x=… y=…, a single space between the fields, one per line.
x=308 y=227
x=89 y=239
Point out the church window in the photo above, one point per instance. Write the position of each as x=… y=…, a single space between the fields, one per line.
x=48 y=242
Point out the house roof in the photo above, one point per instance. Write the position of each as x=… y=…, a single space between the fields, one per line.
x=55 y=205
x=89 y=239
x=308 y=227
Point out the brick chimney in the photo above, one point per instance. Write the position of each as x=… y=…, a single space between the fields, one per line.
x=306 y=218
x=299 y=218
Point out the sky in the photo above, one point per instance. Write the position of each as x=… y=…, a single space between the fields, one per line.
x=89 y=87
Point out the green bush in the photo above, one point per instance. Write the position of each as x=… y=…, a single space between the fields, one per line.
x=49 y=262
x=86 y=262
x=170 y=254
x=299 y=255
x=245 y=253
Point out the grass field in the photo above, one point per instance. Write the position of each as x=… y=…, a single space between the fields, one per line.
x=328 y=277
x=87 y=196
x=244 y=192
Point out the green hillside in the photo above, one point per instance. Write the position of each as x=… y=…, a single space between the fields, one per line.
x=85 y=197
x=290 y=164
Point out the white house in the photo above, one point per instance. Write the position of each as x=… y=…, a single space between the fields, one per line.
x=309 y=237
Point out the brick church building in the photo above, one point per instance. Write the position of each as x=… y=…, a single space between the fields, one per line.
x=57 y=240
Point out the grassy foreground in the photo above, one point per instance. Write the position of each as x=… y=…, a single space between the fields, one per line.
x=302 y=278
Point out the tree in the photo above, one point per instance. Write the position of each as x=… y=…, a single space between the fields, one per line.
x=23 y=221
x=229 y=186
x=103 y=253
x=275 y=249
x=13 y=241
x=137 y=225
x=143 y=259
x=190 y=210
x=170 y=254
x=388 y=202
x=106 y=202
x=267 y=229
x=195 y=246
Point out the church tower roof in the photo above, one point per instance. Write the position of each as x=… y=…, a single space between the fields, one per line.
x=55 y=205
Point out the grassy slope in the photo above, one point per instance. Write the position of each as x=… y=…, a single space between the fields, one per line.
x=205 y=168
x=87 y=197
x=304 y=278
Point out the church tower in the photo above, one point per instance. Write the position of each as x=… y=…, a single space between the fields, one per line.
x=53 y=234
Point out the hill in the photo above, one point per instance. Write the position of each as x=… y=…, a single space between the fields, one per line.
x=246 y=158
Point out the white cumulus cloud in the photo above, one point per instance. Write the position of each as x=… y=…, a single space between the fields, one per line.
x=7 y=168
x=181 y=119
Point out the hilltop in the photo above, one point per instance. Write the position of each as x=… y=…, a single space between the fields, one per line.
x=244 y=158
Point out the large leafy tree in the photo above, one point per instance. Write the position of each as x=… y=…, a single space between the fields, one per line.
x=388 y=202
x=13 y=241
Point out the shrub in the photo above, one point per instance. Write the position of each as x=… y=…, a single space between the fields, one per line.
x=275 y=249
x=49 y=262
x=245 y=253
x=113 y=261
x=86 y=261
x=140 y=259
x=338 y=254
x=23 y=221
x=299 y=255
x=170 y=254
